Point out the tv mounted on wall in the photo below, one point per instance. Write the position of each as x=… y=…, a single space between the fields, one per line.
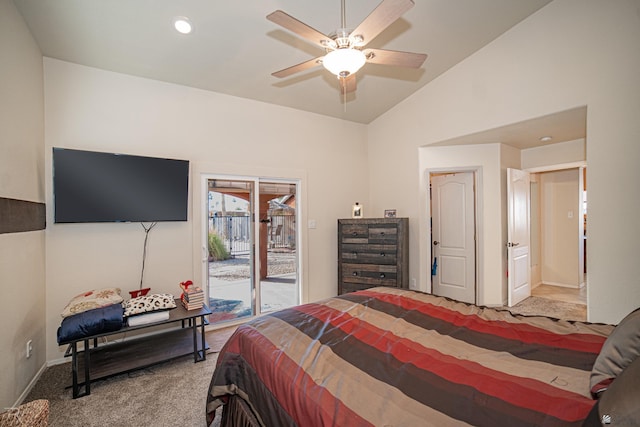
x=107 y=187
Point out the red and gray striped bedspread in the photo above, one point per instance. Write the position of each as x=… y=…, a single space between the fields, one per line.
x=390 y=357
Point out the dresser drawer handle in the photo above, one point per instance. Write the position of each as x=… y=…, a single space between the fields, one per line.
x=382 y=233
x=355 y=273
x=354 y=253
x=382 y=275
x=354 y=233
x=382 y=254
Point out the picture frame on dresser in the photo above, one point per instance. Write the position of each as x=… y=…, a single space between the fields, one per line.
x=356 y=211
x=373 y=252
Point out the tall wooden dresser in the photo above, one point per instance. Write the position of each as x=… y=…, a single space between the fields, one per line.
x=373 y=252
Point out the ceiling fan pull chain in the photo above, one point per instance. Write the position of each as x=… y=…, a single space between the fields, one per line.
x=344 y=92
x=344 y=15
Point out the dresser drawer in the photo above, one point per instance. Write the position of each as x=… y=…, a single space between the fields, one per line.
x=353 y=287
x=370 y=274
x=369 y=254
x=355 y=234
x=382 y=234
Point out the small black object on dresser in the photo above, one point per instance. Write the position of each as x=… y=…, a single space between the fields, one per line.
x=373 y=252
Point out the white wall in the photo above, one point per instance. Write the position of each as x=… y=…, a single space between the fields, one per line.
x=97 y=110
x=22 y=256
x=570 y=53
x=554 y=155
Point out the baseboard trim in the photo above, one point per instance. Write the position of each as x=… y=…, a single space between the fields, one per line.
x=30 y=386
x=561 y=285
x=59 y=361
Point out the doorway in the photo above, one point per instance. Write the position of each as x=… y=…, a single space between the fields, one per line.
x=453 y=235
x=535 y=244
x=252 y=247
x=558 y=233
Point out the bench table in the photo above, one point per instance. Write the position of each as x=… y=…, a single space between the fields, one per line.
x=96 y=362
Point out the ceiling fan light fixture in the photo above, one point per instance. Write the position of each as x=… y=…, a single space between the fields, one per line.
x=183 y=25
x=344 y=62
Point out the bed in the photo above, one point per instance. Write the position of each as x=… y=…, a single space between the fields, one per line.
x=392 y=357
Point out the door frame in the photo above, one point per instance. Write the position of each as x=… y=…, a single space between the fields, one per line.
x=425 y=265
x=468 y=293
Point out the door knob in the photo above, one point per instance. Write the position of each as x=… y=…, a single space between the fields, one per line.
x=436 y=243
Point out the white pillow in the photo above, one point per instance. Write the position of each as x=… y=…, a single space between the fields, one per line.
x=92 y=299
x=148 y=303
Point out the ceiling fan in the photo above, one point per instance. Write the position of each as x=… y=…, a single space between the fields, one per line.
x=345 y=49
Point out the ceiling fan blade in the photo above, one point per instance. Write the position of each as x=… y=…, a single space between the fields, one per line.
x=395 y=58
x=382 y=16
x=298 y=67
x=348 y=84
x=300 y=28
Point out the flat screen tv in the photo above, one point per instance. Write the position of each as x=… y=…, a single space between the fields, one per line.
x=92 y=186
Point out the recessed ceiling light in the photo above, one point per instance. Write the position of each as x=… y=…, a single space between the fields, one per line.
x=183 y=25
x=546 y=139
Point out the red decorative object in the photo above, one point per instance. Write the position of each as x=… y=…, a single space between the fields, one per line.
x=139 y=293
x=185 y=287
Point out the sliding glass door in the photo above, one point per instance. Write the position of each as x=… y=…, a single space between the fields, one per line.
x=251 y=239
x=230 y=240
x=278 y=249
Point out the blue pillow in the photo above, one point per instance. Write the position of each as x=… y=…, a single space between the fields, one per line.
x=91 y=322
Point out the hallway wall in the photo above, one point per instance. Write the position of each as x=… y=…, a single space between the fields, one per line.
x=560 y=226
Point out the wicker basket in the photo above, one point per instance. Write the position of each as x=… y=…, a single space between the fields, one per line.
x=30 y=414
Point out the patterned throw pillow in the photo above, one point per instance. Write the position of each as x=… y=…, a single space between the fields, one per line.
x=92 y=299
x=148 y=303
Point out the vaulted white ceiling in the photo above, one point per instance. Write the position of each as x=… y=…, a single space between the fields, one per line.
x=234 y=48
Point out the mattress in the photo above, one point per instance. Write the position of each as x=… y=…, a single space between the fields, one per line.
x=391 y=357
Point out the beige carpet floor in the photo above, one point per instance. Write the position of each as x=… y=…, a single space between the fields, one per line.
x=169 y=394
x=550 y=307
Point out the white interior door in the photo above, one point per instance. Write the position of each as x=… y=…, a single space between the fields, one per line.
x=518 y=234
x=453 y=236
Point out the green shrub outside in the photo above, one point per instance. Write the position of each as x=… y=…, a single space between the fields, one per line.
x=217 y=250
